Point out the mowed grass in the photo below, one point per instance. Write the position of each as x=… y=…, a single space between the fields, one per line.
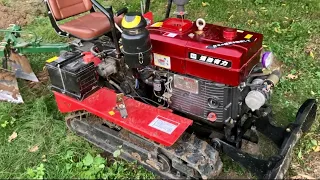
x=289 y=28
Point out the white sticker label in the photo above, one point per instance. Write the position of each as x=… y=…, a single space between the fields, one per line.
x=186 y=84
x=162 y=125
x=162 y=61
x=172 y=35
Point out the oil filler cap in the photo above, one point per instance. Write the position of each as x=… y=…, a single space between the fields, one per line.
x=229 y=33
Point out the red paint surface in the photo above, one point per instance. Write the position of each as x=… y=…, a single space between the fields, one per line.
x=89 y=57
x=177 y=25
x=149 y=17
x=229 y=33
x=243 y=56
x=140 y=115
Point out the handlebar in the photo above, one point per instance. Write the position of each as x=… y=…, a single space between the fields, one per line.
x=122 y=11
x=109 y=13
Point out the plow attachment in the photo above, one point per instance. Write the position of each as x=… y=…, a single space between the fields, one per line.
x=12 y=50
x=21 y=66
x=9 y=90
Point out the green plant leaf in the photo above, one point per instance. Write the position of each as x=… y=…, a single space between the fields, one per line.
x=69 y=154
x=4 y=124
x=117 y=153
x=101 y=166
x=41 y=168
x=99 y=160
x=79 y=165
x=204 y=4
x=314 y=142
x=257 y=2
x=300 y=154
x=12 y=120
x=88 y=160
x=30 y=172
x=68 y=166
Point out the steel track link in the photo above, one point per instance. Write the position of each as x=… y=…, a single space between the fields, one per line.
x=189 y=157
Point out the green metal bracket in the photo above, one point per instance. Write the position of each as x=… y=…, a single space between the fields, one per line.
x=12 y=40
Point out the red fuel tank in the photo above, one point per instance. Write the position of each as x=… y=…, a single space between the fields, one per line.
x=220 y=54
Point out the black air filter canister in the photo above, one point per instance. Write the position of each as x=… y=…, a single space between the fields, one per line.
x=135 y=40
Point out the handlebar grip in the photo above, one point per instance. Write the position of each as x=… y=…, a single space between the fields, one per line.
x=122 y=11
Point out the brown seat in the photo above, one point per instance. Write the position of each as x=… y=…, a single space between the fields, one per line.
x=86 y=27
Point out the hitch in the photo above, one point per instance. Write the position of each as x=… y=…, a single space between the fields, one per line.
x=285 y=138
x=12 y=40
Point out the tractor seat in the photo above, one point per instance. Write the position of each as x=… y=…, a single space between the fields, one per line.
x=85 y=27
x=89 y=26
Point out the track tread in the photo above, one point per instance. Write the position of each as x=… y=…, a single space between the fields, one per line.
x=199 y=159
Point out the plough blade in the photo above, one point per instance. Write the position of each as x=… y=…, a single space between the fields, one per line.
x=9 y=90
x=22 y=68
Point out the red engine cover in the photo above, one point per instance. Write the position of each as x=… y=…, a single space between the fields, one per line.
x=220 y=54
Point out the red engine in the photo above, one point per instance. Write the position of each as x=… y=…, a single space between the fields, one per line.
x=220 y=54
x=203 y=66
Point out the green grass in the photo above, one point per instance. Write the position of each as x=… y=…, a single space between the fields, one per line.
x=287 y=27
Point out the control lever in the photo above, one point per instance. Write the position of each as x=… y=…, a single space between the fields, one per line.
x=121 y=106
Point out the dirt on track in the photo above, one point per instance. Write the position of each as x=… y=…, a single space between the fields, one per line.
x=21 y=13
x=309 y=169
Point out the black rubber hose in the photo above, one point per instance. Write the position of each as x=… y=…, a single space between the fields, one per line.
x=116 y=86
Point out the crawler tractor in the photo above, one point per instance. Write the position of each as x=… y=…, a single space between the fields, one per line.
x=173 y=94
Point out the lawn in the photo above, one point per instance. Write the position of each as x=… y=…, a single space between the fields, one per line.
x=44 y=148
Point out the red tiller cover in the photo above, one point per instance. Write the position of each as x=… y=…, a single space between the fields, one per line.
x=214 y=54
x=159 y=125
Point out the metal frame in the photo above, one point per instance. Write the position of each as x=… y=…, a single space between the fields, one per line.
x=106 y=11
x=169 y=5
x=109 y=13
x=168 y=10
x=54 y=22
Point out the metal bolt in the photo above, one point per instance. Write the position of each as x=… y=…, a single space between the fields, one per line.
x=288 y=130
x=264 y=114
